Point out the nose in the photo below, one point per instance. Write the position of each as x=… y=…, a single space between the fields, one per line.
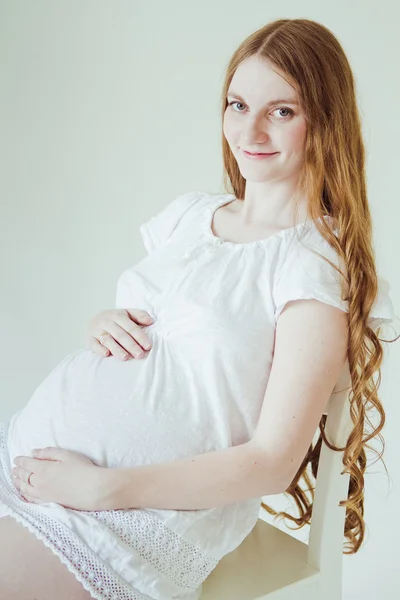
x=254 y=133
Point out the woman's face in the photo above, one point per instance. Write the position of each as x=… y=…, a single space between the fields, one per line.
x=256 y=122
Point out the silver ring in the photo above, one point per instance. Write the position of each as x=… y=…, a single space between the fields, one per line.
x=102 y=335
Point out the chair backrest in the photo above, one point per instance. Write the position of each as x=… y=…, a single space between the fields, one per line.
x=325 y=547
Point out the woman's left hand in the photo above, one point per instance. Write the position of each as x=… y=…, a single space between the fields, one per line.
x=62 y=476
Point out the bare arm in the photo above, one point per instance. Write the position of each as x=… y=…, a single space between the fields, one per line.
x=311 y=342
x=196 y=482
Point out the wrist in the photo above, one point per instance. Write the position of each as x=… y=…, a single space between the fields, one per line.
x=110 y=489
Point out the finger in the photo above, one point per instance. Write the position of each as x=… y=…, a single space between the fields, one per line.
x=109 y=346
x=30 y=500
x=120 y=341
x=53 y=453
x=114 y=348
x=139 y=316
x=21 y=487
x=26 y=493
x=130 y=330
x=20 y=473
x=95 y=345
x=27 y=463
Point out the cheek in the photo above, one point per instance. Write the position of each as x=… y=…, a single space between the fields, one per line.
x=295 y=137
x=228 y=127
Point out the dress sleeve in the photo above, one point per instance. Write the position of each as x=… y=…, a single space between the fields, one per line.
x=159 y=228
x=302 y=275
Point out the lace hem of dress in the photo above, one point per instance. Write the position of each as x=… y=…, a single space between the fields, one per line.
x=185 y=565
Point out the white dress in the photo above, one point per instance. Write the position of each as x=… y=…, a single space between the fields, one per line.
x=200 y=388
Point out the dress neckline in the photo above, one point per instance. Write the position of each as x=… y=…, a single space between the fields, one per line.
x=225 y=199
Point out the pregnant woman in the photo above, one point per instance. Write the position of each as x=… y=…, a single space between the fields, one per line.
x=158 y=465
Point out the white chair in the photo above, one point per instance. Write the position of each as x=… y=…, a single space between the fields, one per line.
x=270 y=563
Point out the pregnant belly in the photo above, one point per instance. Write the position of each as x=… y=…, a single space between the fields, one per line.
x=117 y=413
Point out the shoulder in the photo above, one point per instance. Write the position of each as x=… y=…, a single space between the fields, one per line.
x=305 y=249
x=308 y=267
x=160 y=227
x=304 y=241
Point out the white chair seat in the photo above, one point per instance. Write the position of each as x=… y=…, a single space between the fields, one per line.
x=267 y=560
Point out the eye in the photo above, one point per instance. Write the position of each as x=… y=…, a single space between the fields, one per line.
x=236 y=102
x=289 y=110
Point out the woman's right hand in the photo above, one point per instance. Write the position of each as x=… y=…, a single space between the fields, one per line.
x=122 y=331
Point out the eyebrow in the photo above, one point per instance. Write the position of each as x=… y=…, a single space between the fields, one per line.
x=278 y=101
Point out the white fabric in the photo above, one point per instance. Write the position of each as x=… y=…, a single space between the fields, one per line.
x=200 y=388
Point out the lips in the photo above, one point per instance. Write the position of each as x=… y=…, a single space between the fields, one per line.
x=259 y=153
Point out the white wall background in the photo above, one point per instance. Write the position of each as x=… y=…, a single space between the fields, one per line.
x=108 y=110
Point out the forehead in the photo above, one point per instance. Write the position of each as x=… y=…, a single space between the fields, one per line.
x=258 y=79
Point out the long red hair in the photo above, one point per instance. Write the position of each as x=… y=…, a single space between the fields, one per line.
x=334 y=177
